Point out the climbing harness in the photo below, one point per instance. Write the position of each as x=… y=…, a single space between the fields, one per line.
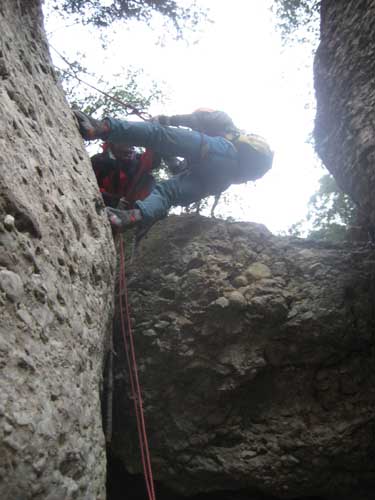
x=121 y=180
x=127 y=335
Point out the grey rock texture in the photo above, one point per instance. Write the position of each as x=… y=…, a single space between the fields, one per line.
x=56 y=276
x=256 y=358
x=345 y=90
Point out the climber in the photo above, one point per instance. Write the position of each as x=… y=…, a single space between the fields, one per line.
x=216 y=159
x=124 y=176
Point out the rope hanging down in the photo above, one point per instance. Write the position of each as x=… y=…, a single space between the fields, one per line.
x=133 y=375
x=126 y=324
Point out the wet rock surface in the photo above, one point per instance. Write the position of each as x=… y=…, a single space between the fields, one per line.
x=256 y=360
x=56 y=280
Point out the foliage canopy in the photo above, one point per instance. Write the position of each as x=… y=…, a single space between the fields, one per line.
x=294 y=15
x=102 y=14
x=330 y=213
x=133 y=96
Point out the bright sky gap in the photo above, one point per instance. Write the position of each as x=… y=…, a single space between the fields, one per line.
x=238 y=65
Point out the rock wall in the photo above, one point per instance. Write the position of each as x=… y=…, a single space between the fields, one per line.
x=256 y=358
x=345 y=90
x=56 y=279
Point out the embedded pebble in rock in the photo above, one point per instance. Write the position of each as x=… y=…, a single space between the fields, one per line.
x=25 y=317
x=258 y=271
x=11 y=284
x=236 y=298
x=221 y=302
x=240 y=281
x=9 y=222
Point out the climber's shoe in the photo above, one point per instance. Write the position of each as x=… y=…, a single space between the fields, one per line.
x=90 y=128
x=120 y=220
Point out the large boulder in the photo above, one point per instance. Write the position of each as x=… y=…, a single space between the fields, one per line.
x=256 y=360
x=345 y=89
x=56 y=279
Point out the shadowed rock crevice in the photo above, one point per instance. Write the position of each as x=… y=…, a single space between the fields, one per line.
x=120 y=481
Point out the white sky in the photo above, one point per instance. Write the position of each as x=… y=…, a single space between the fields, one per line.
x=238 y=66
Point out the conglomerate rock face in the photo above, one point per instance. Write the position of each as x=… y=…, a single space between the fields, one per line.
x=256 y=358
x=345 y=89
x=56 y=275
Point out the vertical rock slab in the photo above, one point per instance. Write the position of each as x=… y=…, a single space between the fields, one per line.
x=345 y=89
x=56 y=275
